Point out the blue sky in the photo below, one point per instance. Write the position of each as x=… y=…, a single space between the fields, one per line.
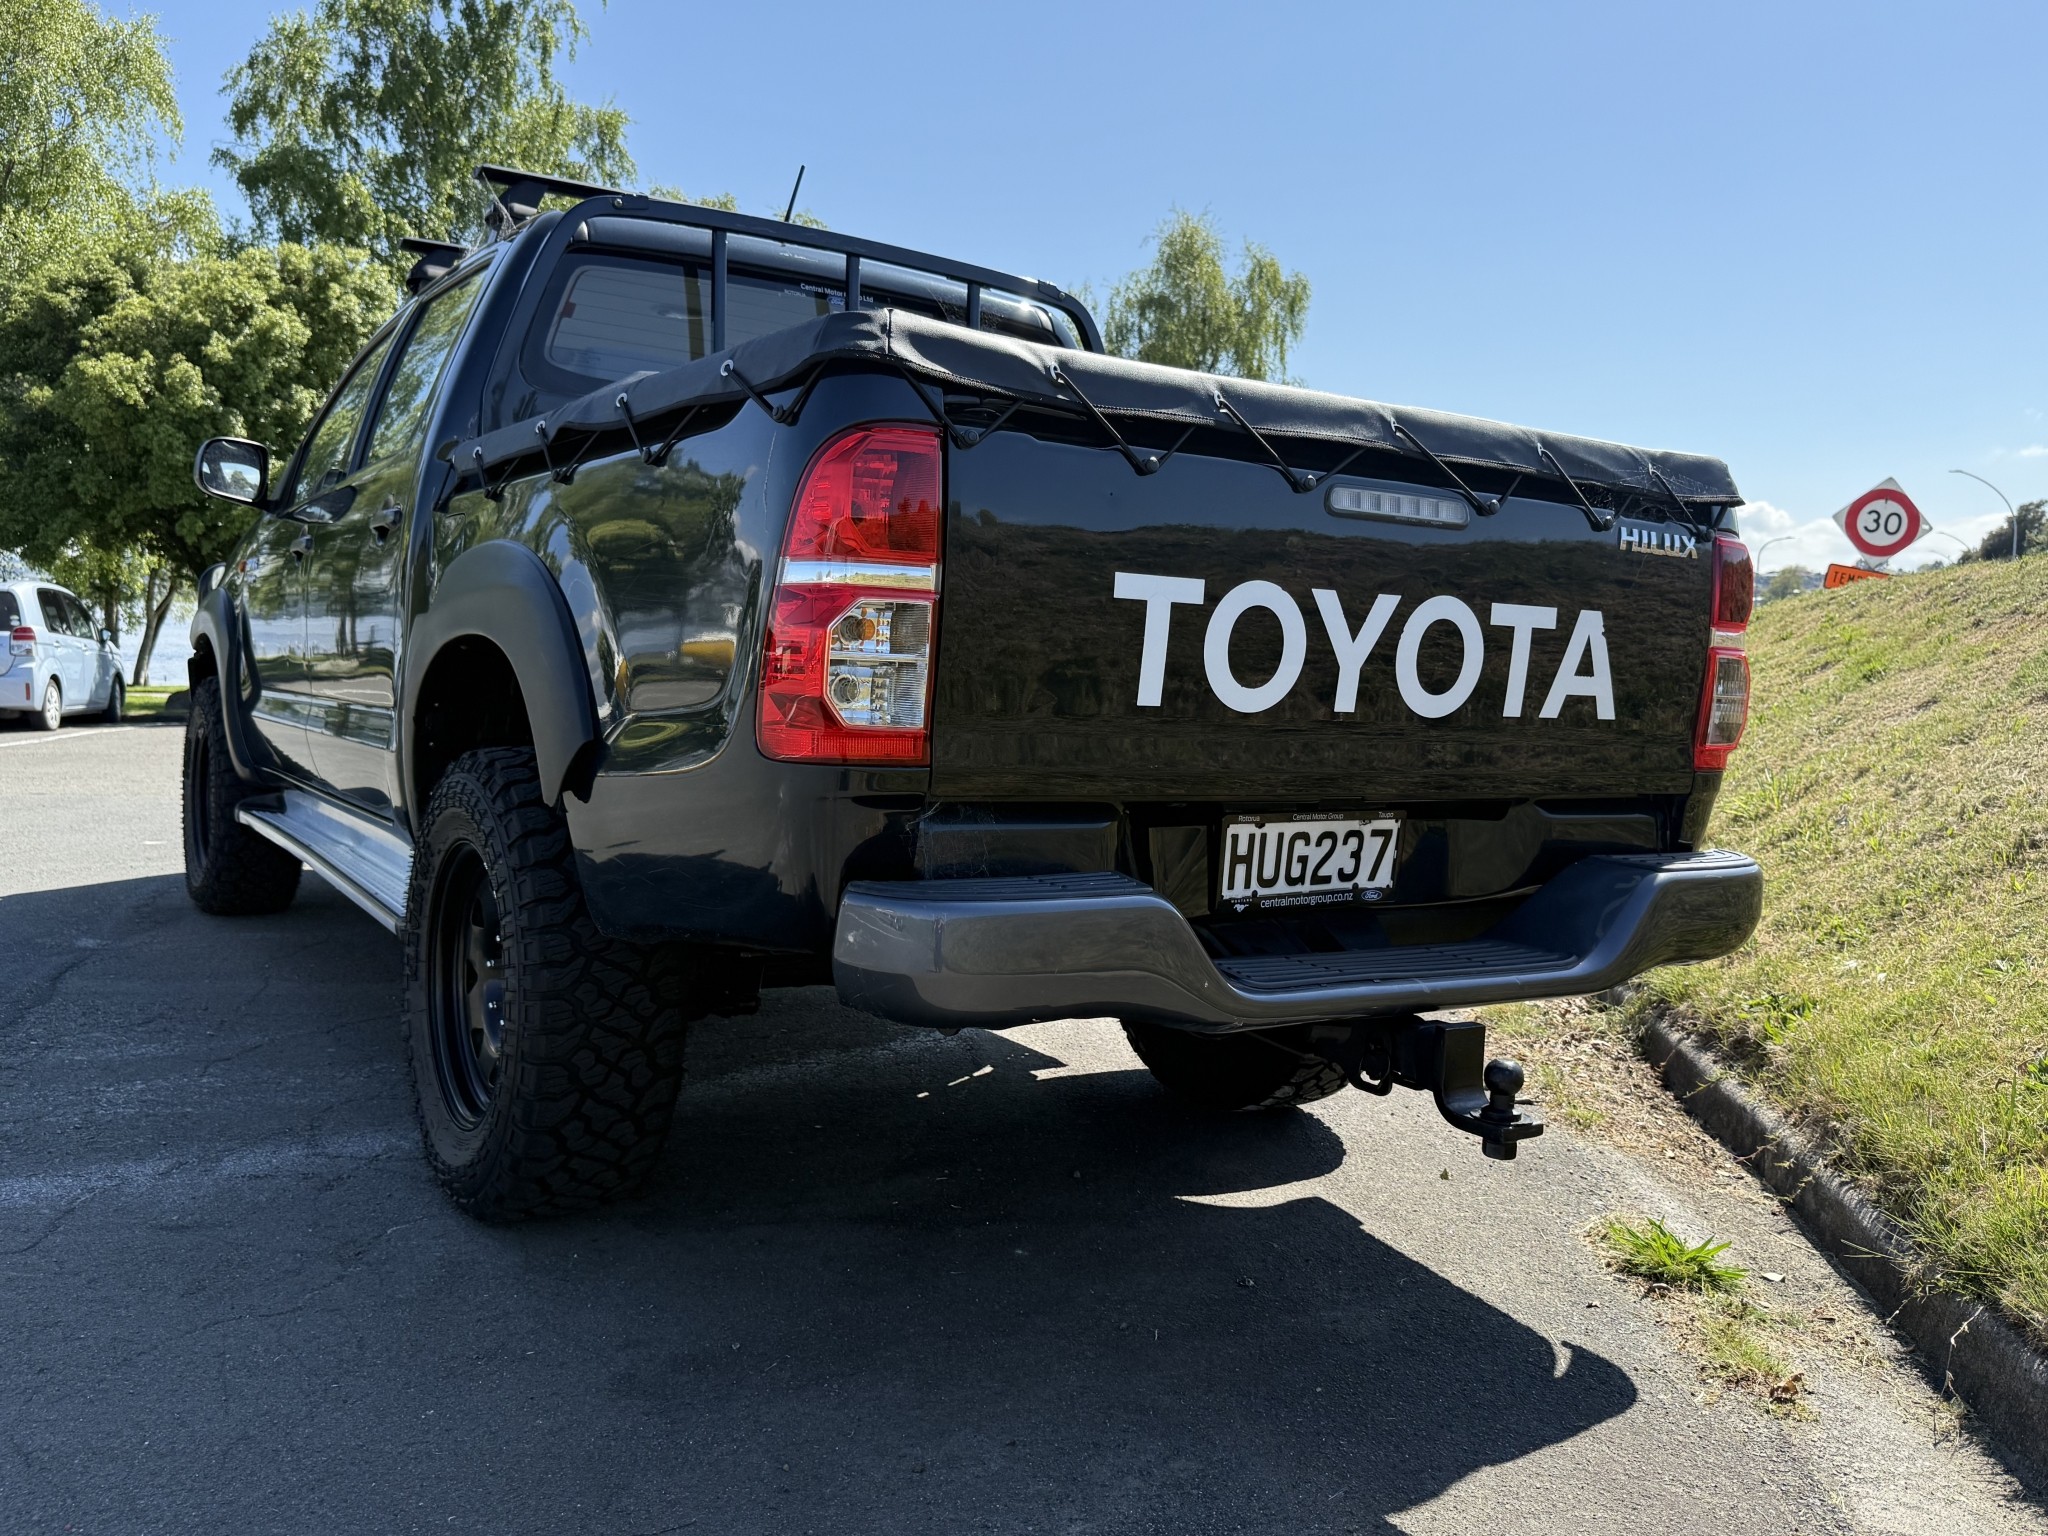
x=1805 y=237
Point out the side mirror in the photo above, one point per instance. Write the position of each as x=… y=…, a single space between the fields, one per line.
x=234 y=469
x=106 y=637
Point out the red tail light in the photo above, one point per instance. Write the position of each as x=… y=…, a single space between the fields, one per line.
x=1734 y=584
x=1724 y=697
x=1724 y=709
x=846 y=676
x=21 y=640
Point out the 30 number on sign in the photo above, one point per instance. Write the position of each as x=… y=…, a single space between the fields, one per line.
x=1882 y=521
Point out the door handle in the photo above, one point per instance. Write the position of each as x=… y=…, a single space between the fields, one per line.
x=382 y=524
x=302 y=546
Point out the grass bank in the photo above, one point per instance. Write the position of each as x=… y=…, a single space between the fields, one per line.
x=1894 y=786
x=147 y=703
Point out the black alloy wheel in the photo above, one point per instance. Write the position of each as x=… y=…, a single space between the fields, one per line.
x=546 y=1056
x=467 y=987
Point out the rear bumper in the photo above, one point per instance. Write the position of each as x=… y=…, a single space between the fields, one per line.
x=1001 y=952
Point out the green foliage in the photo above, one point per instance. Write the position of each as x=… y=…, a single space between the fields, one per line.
x=81 y=100
x=1997 y=544
x=1655 y=1253
x=1186 y=310
x=115 y=363
x=364 y=120
x=112 y=582
x=1787 y=582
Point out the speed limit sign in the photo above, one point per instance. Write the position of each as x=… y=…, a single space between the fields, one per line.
x=1882 y=521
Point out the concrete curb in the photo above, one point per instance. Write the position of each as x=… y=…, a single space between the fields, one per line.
x=1976 y=1355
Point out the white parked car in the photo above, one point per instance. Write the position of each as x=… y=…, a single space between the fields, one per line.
x=59 y=660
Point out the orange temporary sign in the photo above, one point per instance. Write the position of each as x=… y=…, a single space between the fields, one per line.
x=1844 y=575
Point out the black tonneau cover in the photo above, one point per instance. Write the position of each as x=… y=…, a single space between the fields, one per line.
x=936 y=355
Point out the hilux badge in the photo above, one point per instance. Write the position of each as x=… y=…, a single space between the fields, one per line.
x=1655 y=539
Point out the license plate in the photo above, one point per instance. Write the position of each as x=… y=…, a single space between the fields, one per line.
x=1287 y=861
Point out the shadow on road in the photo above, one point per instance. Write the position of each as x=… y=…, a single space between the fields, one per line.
x=888 y=1281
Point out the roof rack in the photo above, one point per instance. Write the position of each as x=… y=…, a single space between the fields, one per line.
x=516 y=194
x=437 y=258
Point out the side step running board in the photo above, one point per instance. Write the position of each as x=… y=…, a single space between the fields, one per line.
x=366 y=861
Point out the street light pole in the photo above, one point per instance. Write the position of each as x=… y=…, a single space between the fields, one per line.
x=1942 y=533
x=2008 y=508
x=1767 y=543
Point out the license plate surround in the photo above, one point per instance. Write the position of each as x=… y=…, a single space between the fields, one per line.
x=1372 y=877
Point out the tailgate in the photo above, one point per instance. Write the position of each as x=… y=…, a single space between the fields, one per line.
x=1456 y=687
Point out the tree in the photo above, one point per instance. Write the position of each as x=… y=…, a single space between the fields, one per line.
x=82 y=98
x=128 y=586
x=365 y=120
x=1786 y=581
x=1187 y=311
x=115 y=363
x=1998 y=543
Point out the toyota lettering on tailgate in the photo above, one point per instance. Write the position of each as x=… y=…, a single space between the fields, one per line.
x=1583 y=672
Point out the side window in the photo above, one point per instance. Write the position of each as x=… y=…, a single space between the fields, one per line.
x=56 y=615
x=83 y=624
x=327 y=452
x=402 y=416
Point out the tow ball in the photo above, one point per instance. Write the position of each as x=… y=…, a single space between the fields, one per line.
x=1445 y=1059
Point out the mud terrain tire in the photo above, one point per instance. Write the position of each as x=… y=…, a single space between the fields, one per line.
x=546 y=1057
x=1224 y=1074
x=230 y=870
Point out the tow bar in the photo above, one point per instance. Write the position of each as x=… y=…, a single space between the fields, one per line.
x=1447 y=1060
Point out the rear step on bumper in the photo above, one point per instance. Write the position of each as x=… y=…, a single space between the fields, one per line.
x=1015 y=951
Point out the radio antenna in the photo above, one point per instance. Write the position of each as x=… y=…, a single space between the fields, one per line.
x=790 y=211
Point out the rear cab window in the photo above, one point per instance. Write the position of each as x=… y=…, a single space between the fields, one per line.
x=636 y=297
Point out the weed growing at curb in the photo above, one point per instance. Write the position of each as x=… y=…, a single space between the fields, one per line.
x=1736 y=1348
x=1654 y=1253
x=1735 y=1341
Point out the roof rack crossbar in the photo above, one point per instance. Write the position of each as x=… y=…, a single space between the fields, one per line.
x=437 y=258
x=516 y=195
x=419 y=247
x=860 y=253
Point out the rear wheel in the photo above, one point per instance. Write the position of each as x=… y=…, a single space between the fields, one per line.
x=546 y=1058
x=230 y=870
x=117 y=699
x=51 y=715
x=1255 y=1069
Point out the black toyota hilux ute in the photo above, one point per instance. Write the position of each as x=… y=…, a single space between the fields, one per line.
x=669 y=604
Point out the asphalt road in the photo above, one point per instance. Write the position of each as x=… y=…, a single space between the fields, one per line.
x=888 y=1281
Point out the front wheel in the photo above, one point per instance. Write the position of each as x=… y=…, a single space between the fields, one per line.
x=117 y=699
x=546 y=1058
x=230 y=870
x=1254 y=1069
